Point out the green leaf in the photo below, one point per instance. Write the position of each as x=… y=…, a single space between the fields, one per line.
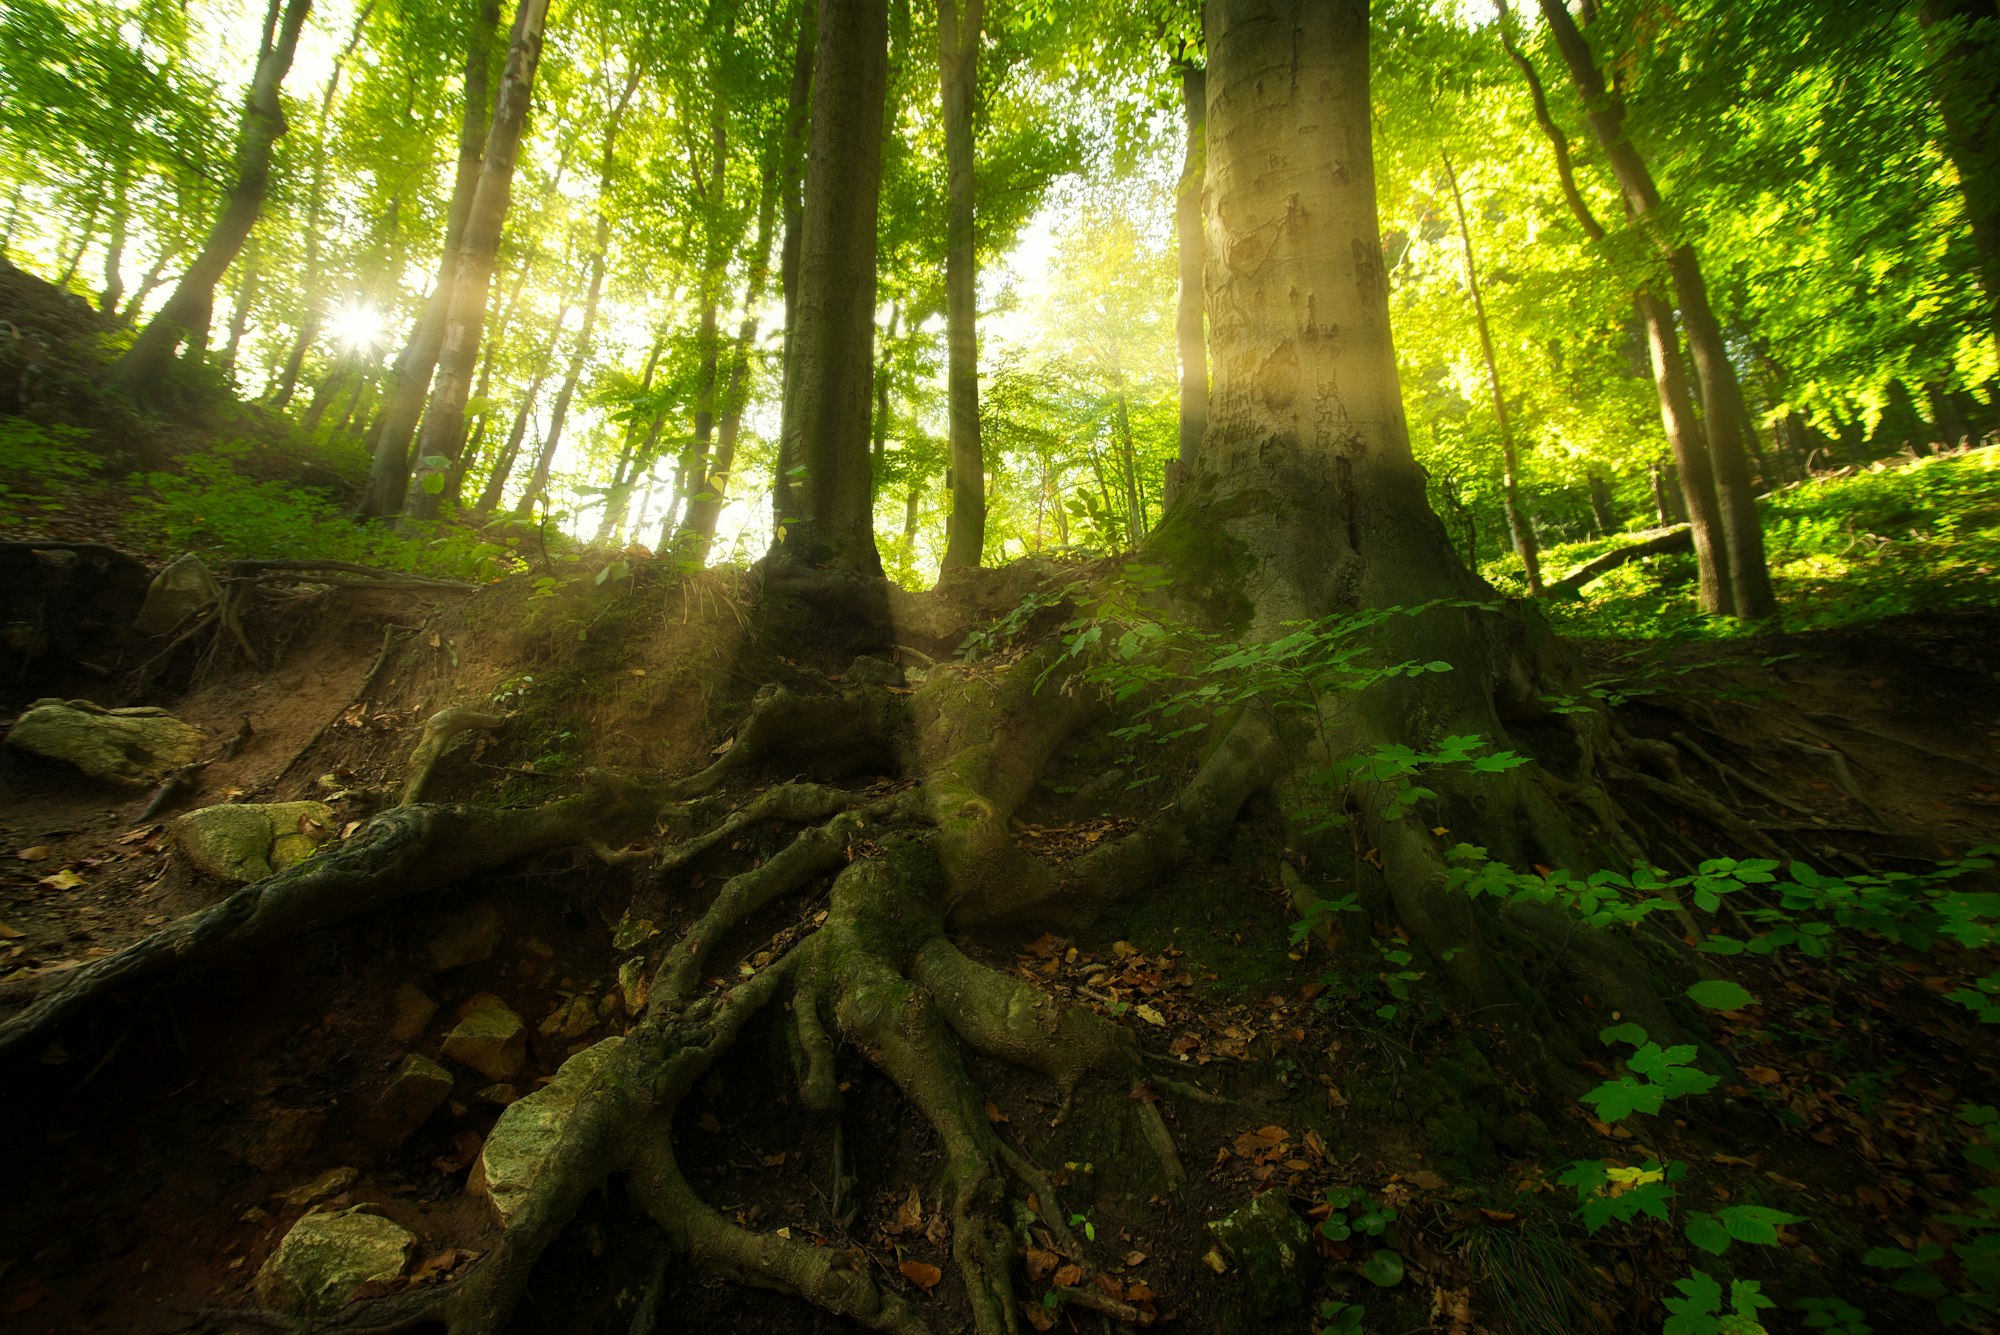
x=1719 y=994
x=1707 y=1232
x=433 y=483
x=1623 y=1033
x=1384 y=1268
x=1755 y=1223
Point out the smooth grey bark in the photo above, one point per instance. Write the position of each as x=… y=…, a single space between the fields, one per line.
x=958 y=69
x=1725 y=419
x=832 y=347
x=410 y=380
x=146 y=361
x=458 y=355
x=1519 y=525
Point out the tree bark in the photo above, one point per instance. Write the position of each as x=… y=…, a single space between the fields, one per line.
x=458 y=355
x=791 y=189
x=958 y=69
x=1190 y=335
x=1964 y=38
x=410 y=381
x=147 y=360
x=832 y=347
x=503 y=465
x=1519 y=525
x=1726 y=422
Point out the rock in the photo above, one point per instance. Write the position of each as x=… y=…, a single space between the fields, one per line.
x=531 y=1128
x=133 y=747
x=413 y=1012
x=248 y=841
x=330 y=1183
x=632 y=933
x=326 y=1257
x=498 y=1095
x=634 y=981
x=1272 y=1248
x=177 y=591
x=281 y=1135
x=491 y=1039
x=569 y=1021
x=465 y=938
x=412 y=1095
x=866 y=671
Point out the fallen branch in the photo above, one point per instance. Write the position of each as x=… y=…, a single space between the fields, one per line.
x=1656 y=542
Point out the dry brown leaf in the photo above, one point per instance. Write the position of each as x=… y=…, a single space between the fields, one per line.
x=993 y=1113
x=1041 y=1264
x=35 y=854
x=910 y=1215
x=1069 y=1276
x=1763 y=1075
x=1135 y=1258
x=10 y=933
x=1425 y=1179
x=921 y=1273
x=1038 y=1316
x=1150 y=1015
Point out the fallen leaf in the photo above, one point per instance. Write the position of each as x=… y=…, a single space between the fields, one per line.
x=1069 y=1276
x=1425 y=1179
x=35 y=854
x=62 y=880
x=1763 y=1075
x=1149 y=1015
x=137 y=835
x=1038 y=1316
x=24 y=1295
x=993 y=1113
x=910 y=1215
x=1041 y=1264
x=10 y=933
x=1124 y=950
x=1135 y=1258
x=922 y=1274
x=1138 y=1292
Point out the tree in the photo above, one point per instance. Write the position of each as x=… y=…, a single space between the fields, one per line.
x=830 y=518
x=958 y=65
x=187 y=312
x=1965 y=37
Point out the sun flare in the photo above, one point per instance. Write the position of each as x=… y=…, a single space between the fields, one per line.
x=357 y=327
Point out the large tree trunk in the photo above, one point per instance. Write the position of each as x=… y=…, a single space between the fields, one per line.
x=1519 y=525
x=1964 y=37
x=458 y=355
x=147 y=360
x=1190 y=333
x=1726 y=422
x=832 y=347
x=958 y=68
x=410 y=381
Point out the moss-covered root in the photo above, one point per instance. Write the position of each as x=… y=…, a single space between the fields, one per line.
x=404 y=851
x=793 y=802
x=833 y=733
x=1018 y=1022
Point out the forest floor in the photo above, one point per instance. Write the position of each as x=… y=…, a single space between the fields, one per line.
x=165 y=1143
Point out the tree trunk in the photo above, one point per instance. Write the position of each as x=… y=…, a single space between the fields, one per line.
x=791 y=188
x=958 y=69
x=147 y=360
x=1964 y=39
x=1135 y=507
x=692 y=476
x=239 y=316
x=1599 y=492
x=832 y=347
x=114 y=250
x=703 y=512
x=410 y=381
x=1190 y=336
x=465 y=322
x=503 y=464
x=1519 y=525
x=1691 y=458
x=1726 y=423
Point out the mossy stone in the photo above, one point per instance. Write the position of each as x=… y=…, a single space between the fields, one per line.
x=242 y=842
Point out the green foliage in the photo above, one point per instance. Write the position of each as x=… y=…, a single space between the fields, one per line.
x=1834 y=1315
x=1699 y=1310
x=38 y=464
x=1614 y=1194
x=1355 y=1215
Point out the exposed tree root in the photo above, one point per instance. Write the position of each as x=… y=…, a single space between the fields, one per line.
x=404 y=851
x=440 y=731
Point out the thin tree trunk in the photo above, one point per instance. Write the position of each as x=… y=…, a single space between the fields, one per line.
x=1691 y=456
x=958 y=68
x=828 y=391
x=1599 y=493
x=580 y=354
x=698 y=530
x=239 y=316
x=454 y=478
x=1518 y=523
x=790 y=187
x=1190 y=337
x=83 y=234
x=309 y=277
x=691 y=479
x=149 y=284
x=503 y=465
x=114 y=250
x=146 y=361
x=1726 y=421
x=618 y=497
x=410 y=381
x=1135 y=509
